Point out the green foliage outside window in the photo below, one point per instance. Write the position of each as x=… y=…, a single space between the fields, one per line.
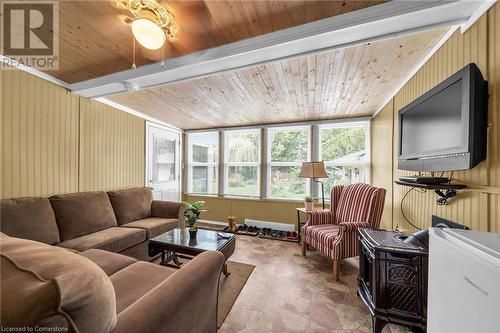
x=288 y=146
x=243 y=147
x=337 y=144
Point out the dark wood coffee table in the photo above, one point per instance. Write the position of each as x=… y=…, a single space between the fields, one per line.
x=176 y=244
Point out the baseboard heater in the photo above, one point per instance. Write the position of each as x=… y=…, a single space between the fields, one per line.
x=271 y=225
x=259 y=224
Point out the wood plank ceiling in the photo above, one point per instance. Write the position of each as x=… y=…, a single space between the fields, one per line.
x=347 y=82
x=95 y=40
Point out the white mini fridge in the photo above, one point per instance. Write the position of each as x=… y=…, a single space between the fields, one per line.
x=464 y=282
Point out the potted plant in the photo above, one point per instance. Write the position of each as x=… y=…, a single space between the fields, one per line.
x=309 y=202
x=192 y=213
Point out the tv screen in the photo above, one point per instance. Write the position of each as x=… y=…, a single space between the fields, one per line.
x=441 y=113
x=445 y=128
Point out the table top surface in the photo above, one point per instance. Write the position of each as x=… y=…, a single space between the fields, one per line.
x=315 y=209
x=206 y=240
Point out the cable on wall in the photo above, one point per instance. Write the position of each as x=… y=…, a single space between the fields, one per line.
x=402 y=210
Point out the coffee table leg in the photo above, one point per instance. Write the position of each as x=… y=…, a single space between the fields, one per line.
x=176 y=260
x=225 y=271
x=162 y=257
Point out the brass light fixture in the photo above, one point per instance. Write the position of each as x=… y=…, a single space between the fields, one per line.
x=151 y=23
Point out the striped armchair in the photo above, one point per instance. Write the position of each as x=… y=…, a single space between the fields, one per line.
x=333 y=232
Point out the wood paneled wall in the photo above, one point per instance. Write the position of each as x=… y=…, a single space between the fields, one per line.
x=381 y=159
x=218 y=209
x=494 y=114
x=39 y=137
x=56 y=142
x=111 y=148
x=476 y=207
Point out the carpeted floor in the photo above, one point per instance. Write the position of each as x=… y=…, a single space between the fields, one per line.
x=230 y=287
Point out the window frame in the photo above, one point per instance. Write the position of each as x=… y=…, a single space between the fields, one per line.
x=366 y=163
x=264 y=155
x=191 y=164
x=270 y=164
x=227 y=164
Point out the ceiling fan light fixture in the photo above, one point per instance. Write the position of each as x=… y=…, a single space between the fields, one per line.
x=148 y=33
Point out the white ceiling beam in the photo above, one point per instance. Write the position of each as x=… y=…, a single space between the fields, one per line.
x=390 y=19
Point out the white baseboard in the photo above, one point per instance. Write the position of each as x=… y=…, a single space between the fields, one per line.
x=272 y=225
x=258 y=223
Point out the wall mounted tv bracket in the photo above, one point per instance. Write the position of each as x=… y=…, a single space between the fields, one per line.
x=444 y=196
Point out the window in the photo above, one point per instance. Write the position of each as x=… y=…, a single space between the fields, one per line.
x=242 y=162
x=163 y=159
x=344 y=149
x=288 y=148
x=343 y=146
x=203 y=151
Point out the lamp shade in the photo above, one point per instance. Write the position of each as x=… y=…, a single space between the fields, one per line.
x=313 y=170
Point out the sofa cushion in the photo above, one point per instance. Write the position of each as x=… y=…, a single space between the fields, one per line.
x=109 y=262
x=154 y=226
x=43 y=284
x=29 y=218
x=113 y=239
x=82 y=213
x=131 y=204
x=136 y=280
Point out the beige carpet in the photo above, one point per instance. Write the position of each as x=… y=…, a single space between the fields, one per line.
x=230 y=287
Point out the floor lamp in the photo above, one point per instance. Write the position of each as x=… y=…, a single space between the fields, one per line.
x=315 y=170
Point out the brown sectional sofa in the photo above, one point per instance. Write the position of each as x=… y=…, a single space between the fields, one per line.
x=117 y=221
x=52 y=289
x=58 y=268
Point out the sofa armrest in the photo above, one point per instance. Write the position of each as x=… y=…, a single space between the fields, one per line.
x=185 y=302
x=166 y=209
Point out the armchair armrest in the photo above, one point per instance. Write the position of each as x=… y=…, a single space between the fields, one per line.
x=170 y=306
x=316 y=217
x=345 y=245
x=352 y=226
x=167 y=209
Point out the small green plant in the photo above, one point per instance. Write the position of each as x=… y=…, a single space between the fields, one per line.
x=308 y=199
x=192 y=212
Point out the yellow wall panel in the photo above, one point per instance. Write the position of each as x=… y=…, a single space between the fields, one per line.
x=111 y=148
x=57 y=142
x=218 y=209
x=479 y=206
x=494 y=89
x=381 y=159
x=39 y=137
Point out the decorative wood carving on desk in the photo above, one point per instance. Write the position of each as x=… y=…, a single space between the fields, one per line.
x=392 y=279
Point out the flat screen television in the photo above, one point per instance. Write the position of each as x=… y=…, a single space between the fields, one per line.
x=445 y=129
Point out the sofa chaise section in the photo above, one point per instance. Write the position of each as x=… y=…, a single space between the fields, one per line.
x=101 y=291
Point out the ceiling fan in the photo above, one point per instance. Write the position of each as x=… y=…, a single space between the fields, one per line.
x=151 y=23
